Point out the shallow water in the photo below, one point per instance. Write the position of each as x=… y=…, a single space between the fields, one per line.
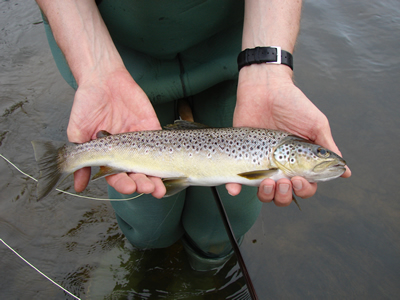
x=343 y=244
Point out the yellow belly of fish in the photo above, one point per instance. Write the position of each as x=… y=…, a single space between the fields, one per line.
x=199 y=168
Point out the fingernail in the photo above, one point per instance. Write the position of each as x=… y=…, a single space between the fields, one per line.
x=297 y=184
x=268 y=189
x=283 y=188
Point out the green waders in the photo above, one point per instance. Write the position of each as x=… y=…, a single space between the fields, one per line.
x=180 y=49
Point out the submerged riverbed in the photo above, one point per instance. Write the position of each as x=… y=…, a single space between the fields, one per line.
x=344 y=244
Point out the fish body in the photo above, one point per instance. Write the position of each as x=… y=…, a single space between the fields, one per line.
x=200 y=156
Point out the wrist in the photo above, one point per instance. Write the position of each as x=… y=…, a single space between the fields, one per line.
x=258 y=84
x=99 y=65
x=265 y=74
x=97 y=55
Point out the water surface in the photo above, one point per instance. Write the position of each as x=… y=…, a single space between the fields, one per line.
x=345 y=243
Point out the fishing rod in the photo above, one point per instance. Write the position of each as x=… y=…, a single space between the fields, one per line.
x=234 y=243
x=185 y=112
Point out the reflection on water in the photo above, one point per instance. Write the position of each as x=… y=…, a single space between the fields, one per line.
x=343 y=244
x=120 y=270
x=164 y=274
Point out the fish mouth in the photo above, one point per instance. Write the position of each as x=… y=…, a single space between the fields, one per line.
x=339 y=166
x=328 y=170
x=331 y=165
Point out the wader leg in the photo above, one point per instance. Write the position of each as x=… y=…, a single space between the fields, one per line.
x=148 y=222
x=206 y=240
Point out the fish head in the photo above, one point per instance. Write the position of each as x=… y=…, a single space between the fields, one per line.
x=295 y=156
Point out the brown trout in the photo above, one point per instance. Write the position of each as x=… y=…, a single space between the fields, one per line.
x=190 y=154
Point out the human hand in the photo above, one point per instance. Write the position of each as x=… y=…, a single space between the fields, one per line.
x=115 y=103
x=268 y=98
x=107 y=97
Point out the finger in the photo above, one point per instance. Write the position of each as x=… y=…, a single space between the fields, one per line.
x=347 y=173
x=325 y=139
x=332 y=146
x=159 y=190
x=233 y=188
x=335 y=149
x=143 y=184
x=283 y=192
x=303 y=188
x=122 y=183
x=266 y=191
x=81 y=179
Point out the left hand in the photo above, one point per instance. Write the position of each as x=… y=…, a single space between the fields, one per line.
x=268 y=98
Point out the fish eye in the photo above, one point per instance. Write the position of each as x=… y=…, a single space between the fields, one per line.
x=322 y=152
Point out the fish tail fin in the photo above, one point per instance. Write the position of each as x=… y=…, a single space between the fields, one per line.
x=49 y=159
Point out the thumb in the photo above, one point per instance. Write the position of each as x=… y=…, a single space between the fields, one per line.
x=325 y=139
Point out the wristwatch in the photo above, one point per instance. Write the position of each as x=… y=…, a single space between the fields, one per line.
x=270 y=55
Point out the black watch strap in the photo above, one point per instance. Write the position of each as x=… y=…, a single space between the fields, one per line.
x=258 y=55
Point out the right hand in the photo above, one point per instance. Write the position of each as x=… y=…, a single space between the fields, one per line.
x=115 y=103
x=107 y=98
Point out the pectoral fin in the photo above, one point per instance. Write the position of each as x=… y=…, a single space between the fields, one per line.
x=105 y=171
x=259 y=174
x=295 y=201
x=175 y=185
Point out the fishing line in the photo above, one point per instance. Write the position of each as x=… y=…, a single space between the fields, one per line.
x=65 y=192
x=37 y=270
x=221 y=209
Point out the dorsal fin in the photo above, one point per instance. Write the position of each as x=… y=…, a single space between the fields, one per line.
x=183 y=125
x=102 y=133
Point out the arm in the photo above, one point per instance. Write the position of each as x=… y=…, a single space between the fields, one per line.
x=267 y=96
x=107 y=97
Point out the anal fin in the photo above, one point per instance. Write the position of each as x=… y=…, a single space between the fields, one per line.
x=175 y=185
x=105 y=171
